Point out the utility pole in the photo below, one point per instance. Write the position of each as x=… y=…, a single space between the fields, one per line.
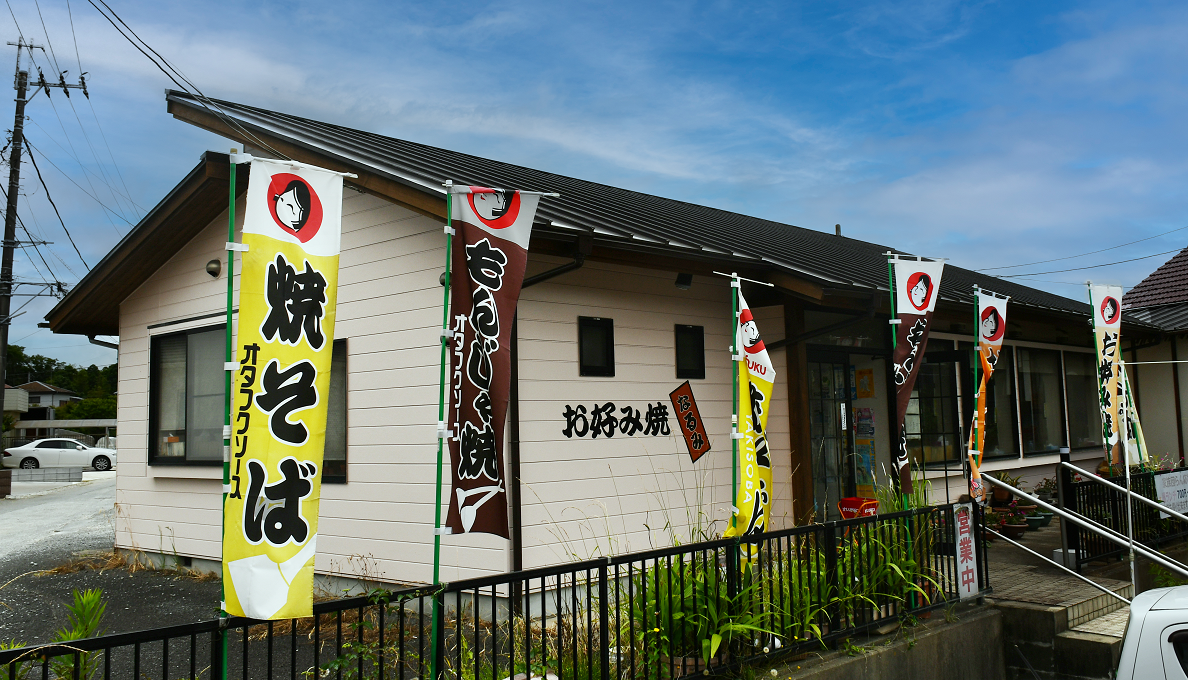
x=10 y=211
x=21 y=84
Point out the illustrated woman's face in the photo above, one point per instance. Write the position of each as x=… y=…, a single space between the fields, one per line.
x=990 y=326
x=750 y=333
x=919 y=293
x=492 y=206
x=289 y=209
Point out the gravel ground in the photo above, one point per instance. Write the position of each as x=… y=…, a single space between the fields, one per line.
x=40 y=532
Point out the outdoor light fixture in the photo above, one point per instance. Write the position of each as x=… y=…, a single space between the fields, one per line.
x=684 y=281
x=214 y=267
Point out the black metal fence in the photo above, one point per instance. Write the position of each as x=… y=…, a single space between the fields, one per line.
x=662 y=614
x=1107 y=506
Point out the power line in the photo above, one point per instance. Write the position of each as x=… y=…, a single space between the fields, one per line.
x=93 y=197
x=1092 y=266
x=95 y=115
x=206 y=102
x=1092 y=252
x=31 y=240
x=55 y=206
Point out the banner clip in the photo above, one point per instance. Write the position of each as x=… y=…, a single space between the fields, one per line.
x=226 y=432
x=449 y=230
x=237 y=247
x=734 y=510
x=445 y=334
x=238 y=158
x=736 y=357
x=735 y=434
x=227 y=488
x=226 y=454
x=895 y=322
x=230 y=365
x=443 y=531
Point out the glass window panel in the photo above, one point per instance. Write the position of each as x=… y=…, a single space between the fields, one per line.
x=204 y=395
x=1041 y=400
x=690 y=352
x=1084 y=413
x=334 y=467
x=169 y=439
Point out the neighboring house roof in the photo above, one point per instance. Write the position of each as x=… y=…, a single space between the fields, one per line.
x=38 y=387
x=1173 y=317
x=413 y=173
x=1166 y=285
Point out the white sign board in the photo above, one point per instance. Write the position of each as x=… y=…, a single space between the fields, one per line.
x=1172 y=490
x=967 y=550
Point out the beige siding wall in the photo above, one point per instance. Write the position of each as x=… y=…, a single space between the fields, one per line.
x=1157 y=400
x=585 y=496
x=579 y=497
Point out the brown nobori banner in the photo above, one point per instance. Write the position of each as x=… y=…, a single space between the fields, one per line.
x=490 y=250
x=684 y=407
x=917 y=286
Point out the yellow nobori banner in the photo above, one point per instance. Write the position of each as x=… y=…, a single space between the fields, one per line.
x=278 y=415
x=756 y=377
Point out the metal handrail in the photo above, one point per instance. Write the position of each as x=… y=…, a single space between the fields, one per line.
x=1155 y=504
x=1104 y=532
x=1054 y=563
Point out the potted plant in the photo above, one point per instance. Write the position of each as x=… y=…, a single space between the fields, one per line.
x=1045 y=490
x=1034 y=521
x=991 y=520
x=1047 y=517
x=999 y=495
x=1014 y=523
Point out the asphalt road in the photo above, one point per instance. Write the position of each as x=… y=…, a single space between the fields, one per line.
x=44 y=531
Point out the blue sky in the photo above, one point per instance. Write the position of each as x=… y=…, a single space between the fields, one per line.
x=989 y=133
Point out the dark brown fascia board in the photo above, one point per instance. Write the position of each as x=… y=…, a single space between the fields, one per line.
x=368 y=180
x=92 y=306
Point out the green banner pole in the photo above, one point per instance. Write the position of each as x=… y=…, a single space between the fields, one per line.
x=735 y=351
x=227 y=374
x=441 y=432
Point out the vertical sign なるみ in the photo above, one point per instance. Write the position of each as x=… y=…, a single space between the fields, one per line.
x=285 y=341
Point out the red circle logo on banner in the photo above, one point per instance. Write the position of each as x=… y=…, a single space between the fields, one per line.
x=493 y=208
x=751 y=340
x=1110 y=310
x=919 y=290
x=295 y=206
x=992 y=325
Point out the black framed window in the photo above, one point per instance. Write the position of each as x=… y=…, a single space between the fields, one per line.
x=1041 y=400
x=933 y=434
x=186 y=402
x=690 y=352
x=334 y=463
x=186 y=407
x=596 y=346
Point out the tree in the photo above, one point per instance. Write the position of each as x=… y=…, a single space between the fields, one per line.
x=90 y=382
x=94 y=407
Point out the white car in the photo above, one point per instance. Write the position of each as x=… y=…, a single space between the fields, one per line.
x=58 y=453
x=1156 y=644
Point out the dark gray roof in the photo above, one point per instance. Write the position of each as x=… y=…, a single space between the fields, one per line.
x=1173 y=317
x=615 y=214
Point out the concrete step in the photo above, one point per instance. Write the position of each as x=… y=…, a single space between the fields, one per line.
x=1066 y=629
